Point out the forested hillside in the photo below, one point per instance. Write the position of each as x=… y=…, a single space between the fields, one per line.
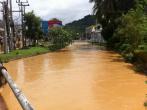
x=80 y=25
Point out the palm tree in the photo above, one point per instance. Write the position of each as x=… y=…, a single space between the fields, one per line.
x=107 y=11
x=104 y=8
x=111 y=6
x=97 y=5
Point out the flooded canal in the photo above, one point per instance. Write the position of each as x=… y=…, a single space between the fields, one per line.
x=80 y=77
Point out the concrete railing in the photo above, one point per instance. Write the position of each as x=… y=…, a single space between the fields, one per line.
x=17 y=92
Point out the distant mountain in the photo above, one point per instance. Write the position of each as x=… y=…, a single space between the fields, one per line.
x=79 y=26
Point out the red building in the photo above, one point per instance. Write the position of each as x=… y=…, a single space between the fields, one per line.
x=54 y=23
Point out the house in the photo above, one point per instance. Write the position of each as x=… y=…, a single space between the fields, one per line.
x=54 y=23
x=47 y=25
x=93 y=33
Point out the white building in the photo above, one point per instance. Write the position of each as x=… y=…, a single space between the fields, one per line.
x=93 y=33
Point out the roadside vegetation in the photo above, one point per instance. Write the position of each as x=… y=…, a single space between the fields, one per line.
x=77 y=28
x=33 y=33
x=21 y=53
x=59 y=38
x=35 y=43
x=125 y=28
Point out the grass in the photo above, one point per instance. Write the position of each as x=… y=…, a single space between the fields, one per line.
x=17 y=54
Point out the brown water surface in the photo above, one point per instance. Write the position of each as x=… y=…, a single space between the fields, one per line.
x=80 y=77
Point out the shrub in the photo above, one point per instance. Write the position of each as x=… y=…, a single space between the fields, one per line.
x=129 y=57
x=125 y=48
x=132 y=30
x=60 y=38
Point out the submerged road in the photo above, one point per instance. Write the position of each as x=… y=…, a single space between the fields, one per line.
x=80 y=77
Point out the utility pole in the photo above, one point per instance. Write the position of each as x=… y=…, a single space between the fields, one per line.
x=7 y=21
x=9 y=26
x=12 y=37
x=22 y=6
x=9 y=38
x=5 y=24
x=7 y=14
x=24 y=11
x=22 y=24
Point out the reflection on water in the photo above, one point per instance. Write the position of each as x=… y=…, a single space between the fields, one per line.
x=33 y=68
x=59 y=60
x=3 y=105
x=20 y=72
x=80 y=77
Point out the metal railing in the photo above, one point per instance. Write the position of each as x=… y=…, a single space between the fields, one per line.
x=17 y=92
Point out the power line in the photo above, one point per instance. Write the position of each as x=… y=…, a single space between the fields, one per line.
x=9 y=38
x=22 y=6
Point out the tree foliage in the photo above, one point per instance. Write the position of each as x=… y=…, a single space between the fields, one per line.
x=60 y=38
x=80 y=25
x=124 y=26
x=132 y=29
x=107 y=11
x=32 y=22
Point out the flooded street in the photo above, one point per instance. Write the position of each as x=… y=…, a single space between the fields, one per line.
x=80 y=77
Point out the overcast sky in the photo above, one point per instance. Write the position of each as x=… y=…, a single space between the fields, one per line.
x=65 y=10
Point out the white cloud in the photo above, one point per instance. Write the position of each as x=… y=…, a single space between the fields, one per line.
x=66 y=10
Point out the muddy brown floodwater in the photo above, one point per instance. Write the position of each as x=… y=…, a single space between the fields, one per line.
x=80 y=77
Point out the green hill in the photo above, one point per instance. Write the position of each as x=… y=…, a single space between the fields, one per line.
x=80 y=25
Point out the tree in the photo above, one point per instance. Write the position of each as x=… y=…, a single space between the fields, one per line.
x=60 y=38
x=33 y=30
x=55 y=19
x=107 y=11
x=132 y=29
x=79 y=26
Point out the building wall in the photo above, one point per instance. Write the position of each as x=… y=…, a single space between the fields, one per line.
x=93 y=33
x=54 y=23
x=44 y=26
x=47 y=25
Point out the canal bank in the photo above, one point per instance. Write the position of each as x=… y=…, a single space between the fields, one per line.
x=80 y=77
x=23 y=53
